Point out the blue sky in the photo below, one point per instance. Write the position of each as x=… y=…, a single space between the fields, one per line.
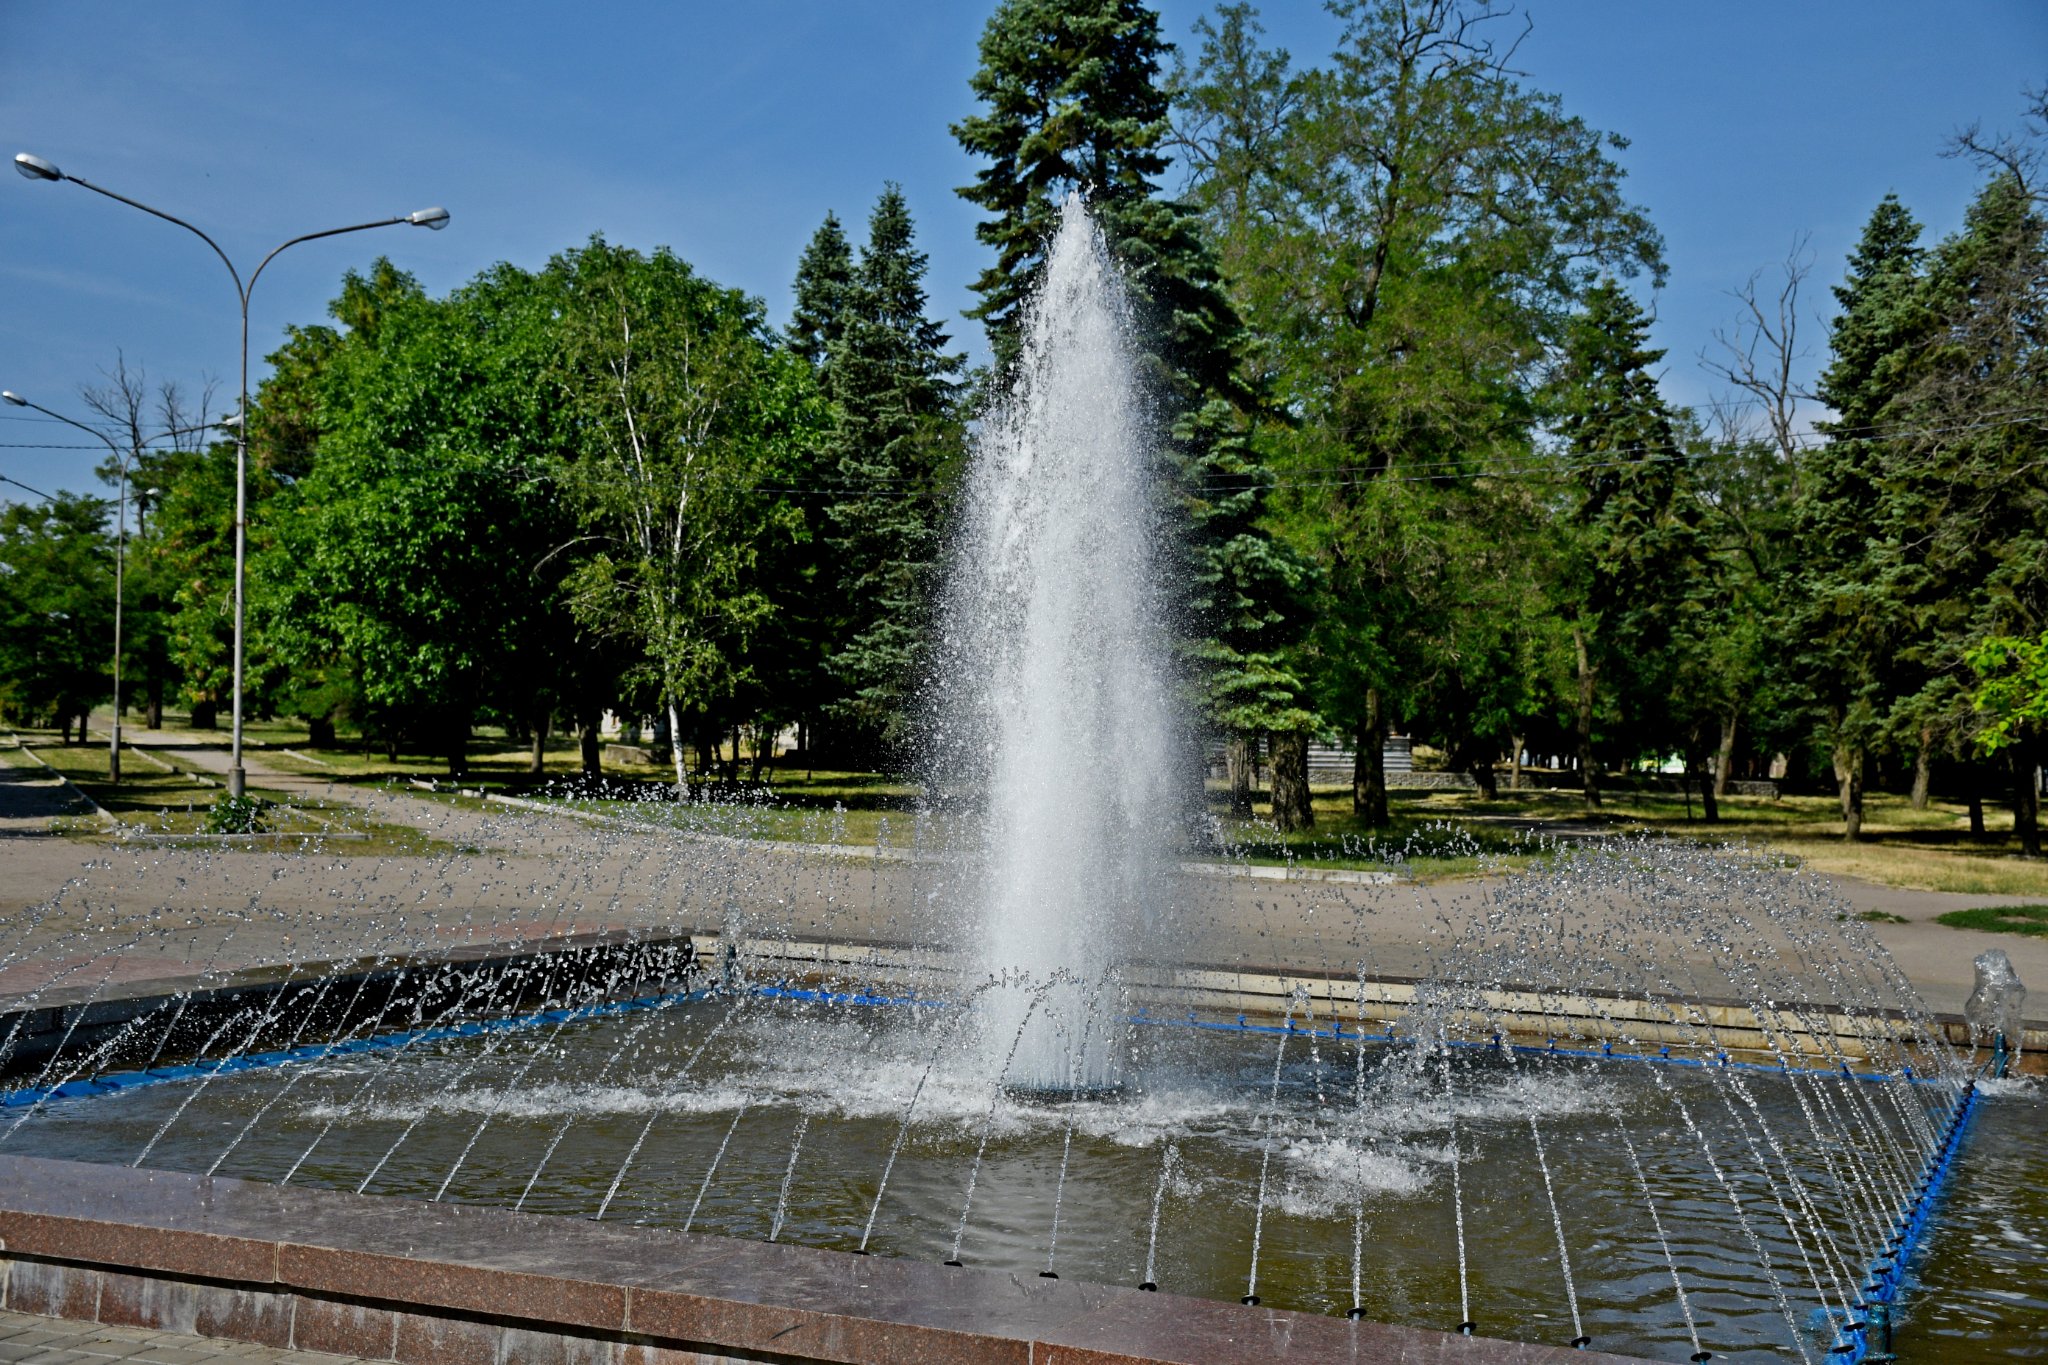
x=726 y=131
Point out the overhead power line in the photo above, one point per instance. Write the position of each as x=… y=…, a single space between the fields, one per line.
x=19 y=484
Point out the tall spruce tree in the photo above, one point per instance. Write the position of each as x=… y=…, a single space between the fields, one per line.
x=1073 y=101
x=1631 y=529
x=894 y=387
x=1838 y=623
x=796 y=679
x=1961 y=559
x=824 y=293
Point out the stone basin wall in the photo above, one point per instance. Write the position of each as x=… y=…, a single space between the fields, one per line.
x=392 y=1279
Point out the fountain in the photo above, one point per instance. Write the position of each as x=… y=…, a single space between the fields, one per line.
x=1639 y=1095
x=1052 y=695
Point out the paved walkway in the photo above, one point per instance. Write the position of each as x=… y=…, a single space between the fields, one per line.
x=29 y=1340
x=519 y=874
x=31 y=796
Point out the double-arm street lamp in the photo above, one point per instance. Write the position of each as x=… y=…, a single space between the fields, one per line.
x=35 y=168
x=120 y=559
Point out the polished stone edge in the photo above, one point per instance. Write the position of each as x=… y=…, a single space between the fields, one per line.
x=394 y=1279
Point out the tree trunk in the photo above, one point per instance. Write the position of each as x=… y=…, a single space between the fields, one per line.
x=153 y=716
x=1369 y=766
x=458 y=752
x=675 y=752
x=1589 y=784
x=1923 y=768
x=1481 y=769
x=1515 y=762
x=1710 y=801
x=1724 y=758
x=538 y=763
x=1237 y=769
x=205 y=715
x=319 y=732
x=1292 y=808
x=593 y=753
x=1976 y=810
x=1849 y=784
x=2026 y=798
x=761 y=745
x=732 y=769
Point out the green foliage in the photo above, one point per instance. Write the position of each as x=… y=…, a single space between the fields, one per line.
x=237 y=815
x=824 y=293
x=1408 y=231
x=895 y=445
x=193 y=552
x=56 y=608
x=2012 y=696
x=685 y=415
x=404 y=582
x=1839 y=624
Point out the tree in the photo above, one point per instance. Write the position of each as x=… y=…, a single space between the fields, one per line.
x=824 y=293
x=893 y=387
x=686 y=413
x=1073 y=102
x=2012 y=694
x=1961 y=561
x=1840 y=626
x=56 y=609
x=1408 y=230
x=1629 y=527
x=410 y=583
x=155 y=430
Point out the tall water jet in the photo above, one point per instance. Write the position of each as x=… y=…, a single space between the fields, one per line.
x=1056 y=738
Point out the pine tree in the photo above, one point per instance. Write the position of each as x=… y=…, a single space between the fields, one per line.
x=1073 y=101
x=1838 y=623
x=1631 y=530
x=893 y=385
x=824 y=287
x=1961 y=560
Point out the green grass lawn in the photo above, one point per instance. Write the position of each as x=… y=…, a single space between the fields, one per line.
x=1929 y=850
x=2031 y=920
x=1433 y=834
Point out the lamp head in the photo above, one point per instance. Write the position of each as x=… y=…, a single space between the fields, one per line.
x=435 y=218
x=35 y=168
x=11 y=396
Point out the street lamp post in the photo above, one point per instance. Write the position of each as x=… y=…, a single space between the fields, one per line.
x=35 y=168
x=120 y=560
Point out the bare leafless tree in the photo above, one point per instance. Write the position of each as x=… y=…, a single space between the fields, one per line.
x=124 y=404
x=2020 y=155
x=1761 y=355
x=185 y=423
